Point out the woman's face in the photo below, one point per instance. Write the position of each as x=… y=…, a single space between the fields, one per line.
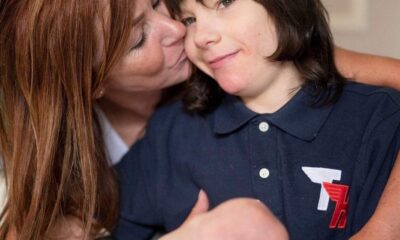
x=155 y=57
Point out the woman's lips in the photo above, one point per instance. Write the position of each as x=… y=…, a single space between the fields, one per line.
x=182 y=57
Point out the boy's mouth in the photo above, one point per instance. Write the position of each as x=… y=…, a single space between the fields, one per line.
x=221 y=60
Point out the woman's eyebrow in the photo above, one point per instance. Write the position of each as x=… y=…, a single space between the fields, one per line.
x=137 y=19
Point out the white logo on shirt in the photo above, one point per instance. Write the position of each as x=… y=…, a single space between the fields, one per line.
x=320 y=175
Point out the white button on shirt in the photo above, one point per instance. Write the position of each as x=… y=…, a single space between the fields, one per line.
x=263 y=126
x=264 y=173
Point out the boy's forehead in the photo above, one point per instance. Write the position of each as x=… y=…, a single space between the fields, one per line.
x=179 y=7
x=183 y=3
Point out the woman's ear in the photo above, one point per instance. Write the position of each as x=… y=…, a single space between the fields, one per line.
x=99 y=94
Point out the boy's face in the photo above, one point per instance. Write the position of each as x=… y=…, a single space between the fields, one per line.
x=230 y=40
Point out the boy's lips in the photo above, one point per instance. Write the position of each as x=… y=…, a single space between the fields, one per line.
x=220 y=60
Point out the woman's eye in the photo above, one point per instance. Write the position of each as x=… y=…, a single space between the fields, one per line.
x=188 y=21
x=224 y=3
x=140 y=42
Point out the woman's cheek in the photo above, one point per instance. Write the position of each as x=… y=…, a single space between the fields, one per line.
x=149 y=63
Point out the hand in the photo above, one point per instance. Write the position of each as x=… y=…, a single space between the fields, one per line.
x=241 y=219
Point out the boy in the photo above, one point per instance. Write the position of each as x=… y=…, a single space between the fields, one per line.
x=273 y=120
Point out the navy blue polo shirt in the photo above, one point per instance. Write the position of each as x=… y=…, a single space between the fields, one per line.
x=321 y=170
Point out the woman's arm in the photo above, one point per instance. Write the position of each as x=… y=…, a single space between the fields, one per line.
x=385 y=222
x=366 y=68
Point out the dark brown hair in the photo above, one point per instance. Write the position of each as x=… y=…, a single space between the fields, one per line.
x=50 y=140
x=304 y=38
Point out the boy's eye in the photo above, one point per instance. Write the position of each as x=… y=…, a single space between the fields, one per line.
x=155 y=3
x=188 y=21
x=224 y=3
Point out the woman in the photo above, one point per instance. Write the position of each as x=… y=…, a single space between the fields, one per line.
x=53 y=159
x=58 y=60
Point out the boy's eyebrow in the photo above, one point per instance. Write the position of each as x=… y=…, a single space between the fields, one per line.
x=182 y=8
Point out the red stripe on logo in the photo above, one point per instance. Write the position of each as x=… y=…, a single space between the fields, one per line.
x=339 y=194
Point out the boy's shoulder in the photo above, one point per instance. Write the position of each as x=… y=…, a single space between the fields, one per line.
x=371 y=94
x=369 y=101
x=169 y=110
x=371 y=106
x=172 y=116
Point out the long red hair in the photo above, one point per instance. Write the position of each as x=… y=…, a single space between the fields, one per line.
x=50 y=140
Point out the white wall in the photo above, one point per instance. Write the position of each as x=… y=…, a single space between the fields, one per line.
x=382 y=33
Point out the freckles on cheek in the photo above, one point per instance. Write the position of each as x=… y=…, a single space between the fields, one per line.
x=154 y=64
x=150 y=64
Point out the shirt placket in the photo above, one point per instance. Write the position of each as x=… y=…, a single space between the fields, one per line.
x=264 y=164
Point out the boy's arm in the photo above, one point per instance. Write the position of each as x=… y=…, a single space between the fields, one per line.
x=366 y=68
x=138 y=215
x=385 y=222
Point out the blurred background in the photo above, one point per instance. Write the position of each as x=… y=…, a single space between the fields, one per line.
x=370 y=26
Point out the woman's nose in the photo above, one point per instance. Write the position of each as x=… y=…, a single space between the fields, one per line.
x=172 y=31
x=177 y=32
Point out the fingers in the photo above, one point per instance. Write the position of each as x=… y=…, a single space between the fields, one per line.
x=192 y=225
x=201 y=205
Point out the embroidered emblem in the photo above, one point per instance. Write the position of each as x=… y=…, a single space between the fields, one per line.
x=319 y=176
x=339 y=194
x=330 y=192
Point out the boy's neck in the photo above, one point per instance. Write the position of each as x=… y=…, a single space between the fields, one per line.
x=287 y=83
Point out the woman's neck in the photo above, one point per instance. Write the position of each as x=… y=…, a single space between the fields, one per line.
x=128 y=113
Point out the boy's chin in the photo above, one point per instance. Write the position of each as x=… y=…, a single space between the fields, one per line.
x=231 y=86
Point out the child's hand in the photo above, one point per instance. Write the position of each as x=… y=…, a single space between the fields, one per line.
x=241 y=219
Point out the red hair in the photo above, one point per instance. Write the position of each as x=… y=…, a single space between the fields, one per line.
x=50 y=140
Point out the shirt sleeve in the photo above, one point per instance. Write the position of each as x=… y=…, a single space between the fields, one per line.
x=374 y=164
x=156 y=191
x=138 y=218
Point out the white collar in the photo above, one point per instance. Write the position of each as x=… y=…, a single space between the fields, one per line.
x=115 y=146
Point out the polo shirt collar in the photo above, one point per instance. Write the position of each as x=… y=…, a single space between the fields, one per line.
x=298 y=117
